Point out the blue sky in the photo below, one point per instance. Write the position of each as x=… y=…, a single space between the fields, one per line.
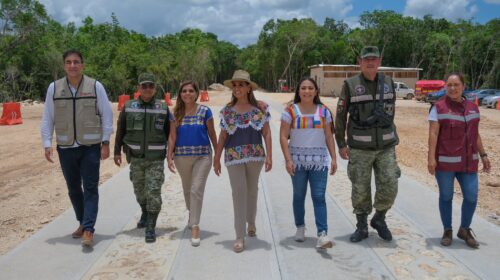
x=240 y=21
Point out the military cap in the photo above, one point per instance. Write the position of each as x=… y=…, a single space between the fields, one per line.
x=145 y=78
x=370 y=51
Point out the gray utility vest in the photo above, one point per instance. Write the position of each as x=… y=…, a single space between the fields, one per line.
x=76 y=118
x=145 y=136
x=371 y=121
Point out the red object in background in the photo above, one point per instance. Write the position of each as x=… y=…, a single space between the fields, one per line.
x=122 y=99
x=424 y=87
x=167 y=99
x=204 y=96
x=284 y=89
x=11 y=114
x=136 y=95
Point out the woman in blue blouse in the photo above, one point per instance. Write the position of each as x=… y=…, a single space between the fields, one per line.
x=243 y=125
x=191 y=131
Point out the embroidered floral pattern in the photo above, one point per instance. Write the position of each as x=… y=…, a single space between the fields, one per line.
x=244 y=153
x=230 y=120
x=308 y=158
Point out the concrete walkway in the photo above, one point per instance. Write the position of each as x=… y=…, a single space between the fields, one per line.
x=120 y=251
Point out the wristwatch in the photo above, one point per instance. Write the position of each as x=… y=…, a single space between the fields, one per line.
x=105 y=142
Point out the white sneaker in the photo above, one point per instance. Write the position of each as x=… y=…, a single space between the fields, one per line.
x=323 y=241
x=300 y=234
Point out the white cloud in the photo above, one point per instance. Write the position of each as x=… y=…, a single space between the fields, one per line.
x=449 y=9
x=237 y=21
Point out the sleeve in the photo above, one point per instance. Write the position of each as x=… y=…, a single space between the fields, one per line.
x=286 y=117
x=267 y=114
x=104 y=107
x=47 y=123
x=341 y=117
x=121 y=126
x=433 y=115
x=222 y=123
x=208 y=114
x=328 y=116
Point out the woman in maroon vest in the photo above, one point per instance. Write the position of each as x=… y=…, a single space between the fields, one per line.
x=455 y=148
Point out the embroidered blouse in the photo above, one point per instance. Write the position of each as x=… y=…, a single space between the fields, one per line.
x=244 y=142
x=192 y=134
x=307 y=137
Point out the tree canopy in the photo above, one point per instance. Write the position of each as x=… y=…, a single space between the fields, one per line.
x=32 y=44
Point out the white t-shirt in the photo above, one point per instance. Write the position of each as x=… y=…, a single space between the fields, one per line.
x=433 y=114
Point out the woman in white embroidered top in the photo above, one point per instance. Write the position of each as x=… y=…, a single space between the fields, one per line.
x=308 y=124
x=243 y=125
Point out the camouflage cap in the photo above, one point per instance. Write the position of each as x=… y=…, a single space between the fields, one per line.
x=370 y=51
x=146 y=78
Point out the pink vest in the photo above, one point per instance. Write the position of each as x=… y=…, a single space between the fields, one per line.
x=458 y=132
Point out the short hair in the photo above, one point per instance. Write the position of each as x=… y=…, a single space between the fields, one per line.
x=72 y=51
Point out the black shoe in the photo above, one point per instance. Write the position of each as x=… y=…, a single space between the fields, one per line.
x=150 y=236
x=144 y=218
x=378 y=223
x=361 y=229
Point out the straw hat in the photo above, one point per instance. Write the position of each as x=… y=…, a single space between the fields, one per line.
x=240 y=75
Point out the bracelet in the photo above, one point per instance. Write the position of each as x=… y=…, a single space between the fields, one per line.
x=483 y=155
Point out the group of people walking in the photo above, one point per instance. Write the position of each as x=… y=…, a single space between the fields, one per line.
x=148 y=133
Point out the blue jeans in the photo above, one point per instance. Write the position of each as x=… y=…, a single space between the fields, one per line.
x=81 y=164
x=469 y=185
x=317 y=181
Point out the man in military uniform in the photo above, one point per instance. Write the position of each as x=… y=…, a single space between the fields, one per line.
x=143 y=127
x=78 y=109
x=367 y=106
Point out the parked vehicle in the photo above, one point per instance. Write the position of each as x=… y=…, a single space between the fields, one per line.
x=424 y=87
x=482 y=93
x=491 y=101
x=403 y=91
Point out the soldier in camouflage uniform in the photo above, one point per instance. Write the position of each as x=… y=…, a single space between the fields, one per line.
x=143 y=128
x=366 y=105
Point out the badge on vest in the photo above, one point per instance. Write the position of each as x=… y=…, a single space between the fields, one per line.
x=86 y=94
x=386 y=88
x=389 y=109
x=360 y=89
x=159 y=123
x=135 y=105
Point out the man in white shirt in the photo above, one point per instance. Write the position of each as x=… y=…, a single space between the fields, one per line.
x=78 y=108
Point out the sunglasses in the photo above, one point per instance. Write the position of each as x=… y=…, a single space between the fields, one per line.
x=148 y=85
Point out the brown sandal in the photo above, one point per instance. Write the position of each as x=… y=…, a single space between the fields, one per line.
x=239 y=245
x=251 y=230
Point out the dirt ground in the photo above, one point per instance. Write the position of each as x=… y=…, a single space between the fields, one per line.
x=33 y=191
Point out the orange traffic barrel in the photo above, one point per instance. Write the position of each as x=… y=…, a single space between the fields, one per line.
x=11 y=114
x=122 y=99
x=167 y=99
x=136 y=95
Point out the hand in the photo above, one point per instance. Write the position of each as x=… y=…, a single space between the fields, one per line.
x=104 y=152
x=290 y=167
x=486 y=164
x=217 y=168
x=333 y=167
x=171 y=165
x=118 y=160
x=48 y=154
x=431 y=165
x=268 y=163
x=344 y=153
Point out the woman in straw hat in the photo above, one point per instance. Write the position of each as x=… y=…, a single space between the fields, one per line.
x=243 y=125
x=189 y=149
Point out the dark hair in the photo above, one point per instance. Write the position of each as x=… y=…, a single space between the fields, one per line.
x=296 y=98
x=72 y=51
x=180 y=106
x=459 y=75
x=251 y=98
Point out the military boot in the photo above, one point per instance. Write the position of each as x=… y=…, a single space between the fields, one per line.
x=150 y=235
x=361 y=228
x=144 y=217
x=378 y=223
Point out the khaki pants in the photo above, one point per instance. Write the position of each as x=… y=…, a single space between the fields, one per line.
x=194 y=173
x=244 y=180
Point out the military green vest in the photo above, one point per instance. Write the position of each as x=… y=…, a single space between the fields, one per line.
x=76 y=118
x=145 y=136
x=361 y=132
